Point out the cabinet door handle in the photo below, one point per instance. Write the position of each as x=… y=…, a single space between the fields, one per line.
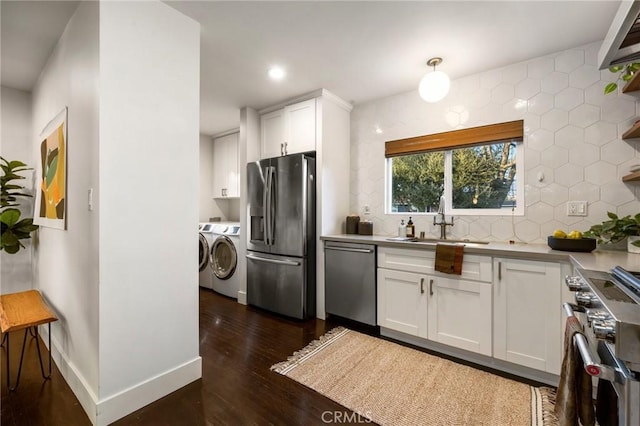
x=281 y=149
x=430 y=287
x=421 y=285
x=285 y=148
x=499 y=271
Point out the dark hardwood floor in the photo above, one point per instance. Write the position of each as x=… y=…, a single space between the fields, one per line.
x=238 y=344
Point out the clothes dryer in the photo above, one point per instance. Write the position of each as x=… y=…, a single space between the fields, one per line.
x=224 y=258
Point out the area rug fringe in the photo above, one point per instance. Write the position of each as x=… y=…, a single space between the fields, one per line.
x=299 y=357
x=543 y=400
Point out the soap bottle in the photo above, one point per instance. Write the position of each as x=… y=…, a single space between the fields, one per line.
x=402 y=229
x=411 y=229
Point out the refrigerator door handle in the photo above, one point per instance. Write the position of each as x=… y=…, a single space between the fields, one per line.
x=265 y=209
x=276 y=261
x=272 y=205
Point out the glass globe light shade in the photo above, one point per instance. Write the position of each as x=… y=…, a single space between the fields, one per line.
x=434 y=86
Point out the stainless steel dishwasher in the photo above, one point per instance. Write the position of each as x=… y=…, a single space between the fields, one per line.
x=350 y=281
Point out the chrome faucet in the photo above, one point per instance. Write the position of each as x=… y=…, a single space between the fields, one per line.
x=443 y=220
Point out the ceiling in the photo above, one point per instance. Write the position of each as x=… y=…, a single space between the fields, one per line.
x=358 y=50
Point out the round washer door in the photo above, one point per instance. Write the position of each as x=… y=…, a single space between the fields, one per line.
x=203 y=249
x=224 y=257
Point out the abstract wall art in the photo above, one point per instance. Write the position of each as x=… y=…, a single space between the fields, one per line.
x=51 y=180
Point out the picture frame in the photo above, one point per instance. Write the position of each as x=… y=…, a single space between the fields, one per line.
x=51 y=174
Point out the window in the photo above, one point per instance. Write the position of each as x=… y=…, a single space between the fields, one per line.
x=474 y=169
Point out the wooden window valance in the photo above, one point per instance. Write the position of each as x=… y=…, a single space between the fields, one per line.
x=510 y=131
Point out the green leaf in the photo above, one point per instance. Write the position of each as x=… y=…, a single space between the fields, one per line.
x=9 y=239
x=610 y=88
x=10 y=217
x=634 y=66
x=616 y=68
x=612 y=215
x=627 y=77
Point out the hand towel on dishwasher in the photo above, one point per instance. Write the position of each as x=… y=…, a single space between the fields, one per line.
x=449 y=258
x=574 y=397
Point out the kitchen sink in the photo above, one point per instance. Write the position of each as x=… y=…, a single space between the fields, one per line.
x=439 y=240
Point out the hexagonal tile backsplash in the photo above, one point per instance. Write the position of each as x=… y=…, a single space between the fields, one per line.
x=572 y=140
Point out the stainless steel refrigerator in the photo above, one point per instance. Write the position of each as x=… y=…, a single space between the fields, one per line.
x=281 y=237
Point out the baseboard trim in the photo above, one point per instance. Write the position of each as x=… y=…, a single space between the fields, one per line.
x=242 y=297
x=75 y=380
x=129 y=400
x=115 y=407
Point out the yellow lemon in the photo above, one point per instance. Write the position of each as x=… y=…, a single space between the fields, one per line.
x=559 y=233
x=575 y=235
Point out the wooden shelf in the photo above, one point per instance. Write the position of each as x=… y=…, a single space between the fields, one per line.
x=633 y=84
x=632 y=177
x=633 y=132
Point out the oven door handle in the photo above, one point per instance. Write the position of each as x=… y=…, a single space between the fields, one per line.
x=591 y=367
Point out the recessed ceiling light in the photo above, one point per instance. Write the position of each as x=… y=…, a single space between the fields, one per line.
x=277 y=73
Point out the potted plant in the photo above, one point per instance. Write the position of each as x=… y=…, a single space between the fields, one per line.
x=625 y=73
x=616 y=230
x=14 y=228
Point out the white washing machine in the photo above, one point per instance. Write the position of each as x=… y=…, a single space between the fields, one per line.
x=204 y=254
x=224 y=258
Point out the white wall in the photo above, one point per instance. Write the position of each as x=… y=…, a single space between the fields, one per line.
x=572 y=137
x=16 y=136
x=249 y=150
x=149 y=144
x=123 y=277
x=66 y=261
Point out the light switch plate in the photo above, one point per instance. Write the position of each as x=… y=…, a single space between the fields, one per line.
x=576 y=208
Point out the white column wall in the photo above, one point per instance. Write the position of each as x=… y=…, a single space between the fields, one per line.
x=16 y=131
x=149 y=143
x=66 y=261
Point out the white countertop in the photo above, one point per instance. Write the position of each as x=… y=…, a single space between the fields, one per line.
x=597 y=260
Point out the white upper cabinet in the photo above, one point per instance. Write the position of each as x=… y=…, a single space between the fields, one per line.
x=226 y=176
x=289 y=130
x=272 y=134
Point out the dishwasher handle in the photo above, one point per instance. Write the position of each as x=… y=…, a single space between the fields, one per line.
x=353 y=250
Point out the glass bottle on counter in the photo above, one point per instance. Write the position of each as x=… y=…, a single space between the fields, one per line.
x=402 y=229
x=411 y=229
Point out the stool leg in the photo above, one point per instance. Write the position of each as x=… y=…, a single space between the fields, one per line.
x=40 y=355
x=24 y=341
x=6 y=335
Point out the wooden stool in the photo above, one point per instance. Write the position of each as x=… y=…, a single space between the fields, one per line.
x=24 y=310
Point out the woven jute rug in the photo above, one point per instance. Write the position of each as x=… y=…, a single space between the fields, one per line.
x=390 y=384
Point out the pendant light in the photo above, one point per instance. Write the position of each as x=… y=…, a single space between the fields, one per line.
x=434 y=86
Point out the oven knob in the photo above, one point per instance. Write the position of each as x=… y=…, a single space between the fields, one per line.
x=604 y=330
x=574 y=283
x=597 y=315
x=587 y=299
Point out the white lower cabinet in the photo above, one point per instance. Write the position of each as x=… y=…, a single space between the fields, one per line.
x=402 y=301
x=459 y=314
x=449 y=310
x=527 y=313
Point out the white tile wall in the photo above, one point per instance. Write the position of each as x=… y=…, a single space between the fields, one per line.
x=572 y=140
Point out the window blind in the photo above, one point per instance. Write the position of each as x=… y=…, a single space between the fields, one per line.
x=496 y=133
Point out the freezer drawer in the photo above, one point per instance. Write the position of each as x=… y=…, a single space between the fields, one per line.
x=280 y=284
x=350 y=281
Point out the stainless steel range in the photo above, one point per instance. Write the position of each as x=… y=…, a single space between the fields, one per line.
x=608 y=307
